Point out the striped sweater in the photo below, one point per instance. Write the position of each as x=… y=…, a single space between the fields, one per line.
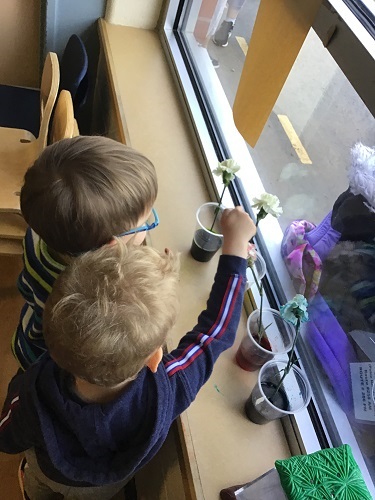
x=35 y=284
x=85 y=444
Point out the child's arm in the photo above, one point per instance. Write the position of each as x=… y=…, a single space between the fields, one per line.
x=190 y=365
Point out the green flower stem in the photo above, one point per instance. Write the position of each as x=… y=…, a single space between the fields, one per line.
x=260 y=216
x=255 y=277
x=290 y=362
x=218 y=208
x=260 y=290
x=261 y=331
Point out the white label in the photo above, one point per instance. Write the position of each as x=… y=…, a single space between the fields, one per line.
x=363 y=388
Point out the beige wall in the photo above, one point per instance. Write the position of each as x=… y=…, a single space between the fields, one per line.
x=137 y=14
x=19 y=42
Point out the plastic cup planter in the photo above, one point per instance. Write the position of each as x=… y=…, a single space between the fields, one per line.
x=277 y=339
x=259 y=267
x=265 y=404
x=207 y=241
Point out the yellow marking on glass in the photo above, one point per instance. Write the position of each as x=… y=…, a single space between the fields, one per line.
x=294 y=139
x=242 y=43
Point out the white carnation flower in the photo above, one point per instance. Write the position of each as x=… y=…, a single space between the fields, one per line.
x=268 y=203
x=228 y=169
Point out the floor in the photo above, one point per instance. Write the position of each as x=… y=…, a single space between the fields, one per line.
x=10 y=305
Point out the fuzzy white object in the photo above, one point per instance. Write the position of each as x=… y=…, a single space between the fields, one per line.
x=362 y=173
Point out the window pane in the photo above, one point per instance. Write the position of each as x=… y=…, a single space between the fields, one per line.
x=304 y=157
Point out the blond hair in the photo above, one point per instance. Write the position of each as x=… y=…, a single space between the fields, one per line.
x=110 y=310
x=81 y=192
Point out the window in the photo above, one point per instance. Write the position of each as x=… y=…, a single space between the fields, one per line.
x=303 y=155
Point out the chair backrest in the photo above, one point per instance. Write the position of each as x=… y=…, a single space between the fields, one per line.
x=63 y=124
x=74 y=66
x=16 y=159
x=48 y=93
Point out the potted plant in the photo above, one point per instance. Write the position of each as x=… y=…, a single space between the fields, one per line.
x=207 y=237
x=267 y=403
x=265 y=337
x=267 y=333
x=282 y=388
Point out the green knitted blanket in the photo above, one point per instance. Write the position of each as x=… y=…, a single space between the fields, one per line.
x=330 y=474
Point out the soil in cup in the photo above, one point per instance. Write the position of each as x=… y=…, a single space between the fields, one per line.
x=253 y=362
x=204 y=247
x=280 y=400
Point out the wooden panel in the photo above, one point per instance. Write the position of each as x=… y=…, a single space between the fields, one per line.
x=219 y=446
x=108 y=115
x=19 y=42
x=10 y=247
x=12 y=226
x=280 y=29
x=140 y=14
x=161 y=479
x=10 y=306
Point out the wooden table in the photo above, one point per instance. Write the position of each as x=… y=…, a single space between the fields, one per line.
x=141 y=105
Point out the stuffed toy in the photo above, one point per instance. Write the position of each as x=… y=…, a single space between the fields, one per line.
x=353 y=214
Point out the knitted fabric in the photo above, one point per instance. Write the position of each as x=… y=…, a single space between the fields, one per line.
x=327 y=474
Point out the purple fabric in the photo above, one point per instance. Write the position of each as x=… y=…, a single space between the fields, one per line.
x=304 y=248
x=333 y=349
x=323 y=237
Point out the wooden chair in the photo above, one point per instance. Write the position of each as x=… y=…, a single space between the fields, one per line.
x=63 y=124
x=20 y=140
x=22 y=108
x=12 y=224
x=16 y=157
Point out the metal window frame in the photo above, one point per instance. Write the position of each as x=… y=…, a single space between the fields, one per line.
x=337 y=27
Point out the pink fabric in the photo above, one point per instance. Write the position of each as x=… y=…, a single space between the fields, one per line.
x=302 y=261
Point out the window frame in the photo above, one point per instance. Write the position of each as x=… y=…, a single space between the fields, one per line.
x=306 y=431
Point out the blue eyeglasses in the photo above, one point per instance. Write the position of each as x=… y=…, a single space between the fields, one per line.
x=145 y=227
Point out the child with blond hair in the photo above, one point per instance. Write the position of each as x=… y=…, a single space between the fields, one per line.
x=99 y=405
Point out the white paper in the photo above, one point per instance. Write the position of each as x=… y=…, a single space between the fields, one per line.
x=363 y=388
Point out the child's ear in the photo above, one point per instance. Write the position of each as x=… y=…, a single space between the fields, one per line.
x=112 y=242
x=153 y=361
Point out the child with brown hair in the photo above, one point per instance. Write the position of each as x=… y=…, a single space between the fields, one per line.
x=79 y=194
x=98 y=406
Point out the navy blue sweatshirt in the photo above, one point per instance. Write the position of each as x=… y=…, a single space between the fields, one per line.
x=90 y=444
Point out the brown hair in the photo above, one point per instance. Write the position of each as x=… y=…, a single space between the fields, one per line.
x=81 y=192
x=110 y=310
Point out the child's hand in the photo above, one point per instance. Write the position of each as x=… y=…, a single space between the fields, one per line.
x=238 y=228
